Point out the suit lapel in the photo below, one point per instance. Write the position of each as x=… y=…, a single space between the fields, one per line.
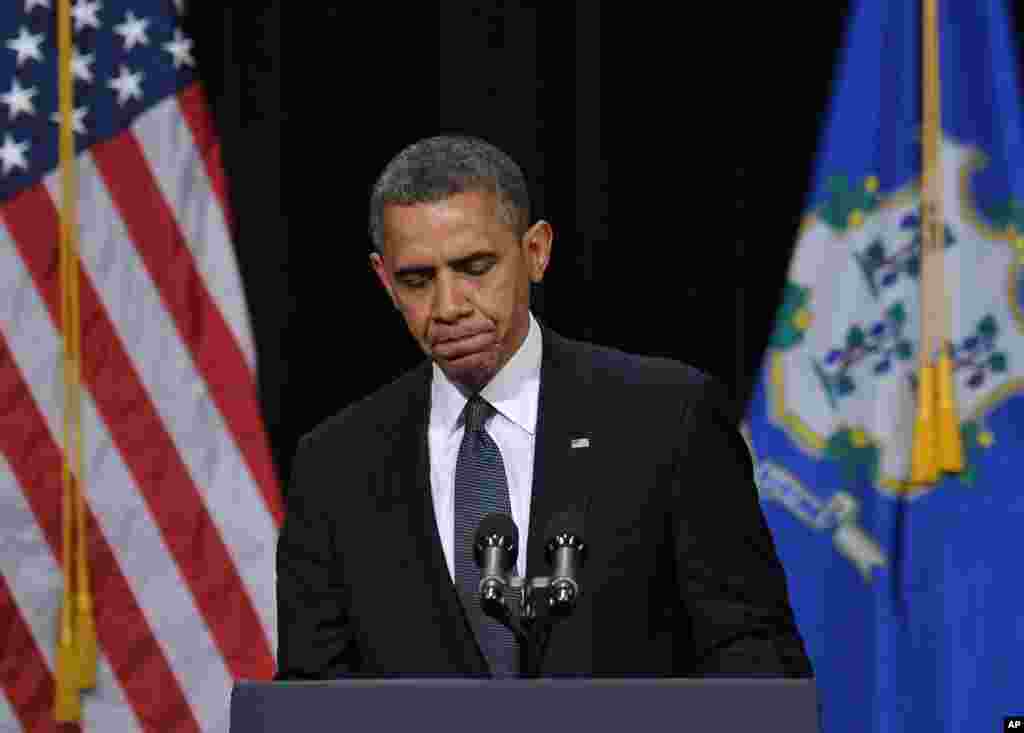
x=563 y=477
x=412 y=485
x=562 y=474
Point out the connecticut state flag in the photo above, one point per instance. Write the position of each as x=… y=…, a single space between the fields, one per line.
x=909 y=594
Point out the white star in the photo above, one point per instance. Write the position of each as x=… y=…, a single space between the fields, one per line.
x=133 y=30
x=127 y=84
x=181 y=49
x=84 y=13
x=26 y=45
x=19 y=100
x=77 y=119
x=80 y=65
x=29 y=4
x=12 y=155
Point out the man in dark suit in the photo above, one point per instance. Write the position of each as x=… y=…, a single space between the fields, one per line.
x=681 y=576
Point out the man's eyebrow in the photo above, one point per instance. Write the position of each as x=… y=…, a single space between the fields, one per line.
x=479 y=254
x=414 y=270
x=456 y=263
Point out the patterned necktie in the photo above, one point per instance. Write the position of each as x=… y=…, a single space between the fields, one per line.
x=480 y=489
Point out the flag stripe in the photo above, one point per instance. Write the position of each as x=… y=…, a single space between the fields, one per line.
x=158 y=239
x=197 y=116
x=121 y=628
x=145 y=561
x=189 y=187
x=148 y=451
x=8 y=719
x=31 y=581
x=35 y=584
x=177 y=390
x=24 y=676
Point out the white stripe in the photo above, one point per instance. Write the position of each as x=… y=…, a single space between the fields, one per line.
x=177 y=390
x=139 y=549
x=36 y=586
x=27 y=564
x=179 y=170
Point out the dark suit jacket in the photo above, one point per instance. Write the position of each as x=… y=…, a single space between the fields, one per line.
x=682 y=577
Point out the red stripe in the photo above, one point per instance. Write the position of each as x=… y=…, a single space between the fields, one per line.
x=149 y=453
x=161 y=245
x=121 y=629
x=24 y=675
x=196 y=112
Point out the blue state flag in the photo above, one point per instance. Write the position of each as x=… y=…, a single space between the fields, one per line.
x=909 y=596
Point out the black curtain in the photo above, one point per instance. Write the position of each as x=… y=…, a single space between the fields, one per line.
x=703 y=121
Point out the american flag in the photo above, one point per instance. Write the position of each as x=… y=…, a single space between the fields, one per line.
x=182 y=502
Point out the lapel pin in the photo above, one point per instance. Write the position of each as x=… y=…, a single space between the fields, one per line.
x=580 y=443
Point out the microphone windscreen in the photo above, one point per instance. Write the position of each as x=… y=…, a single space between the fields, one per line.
x=500 y=524
x=569 y=521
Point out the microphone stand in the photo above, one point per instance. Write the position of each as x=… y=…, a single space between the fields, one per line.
x=529 y=607
x=526 y=611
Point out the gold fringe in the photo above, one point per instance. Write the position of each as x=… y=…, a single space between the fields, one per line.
x=67 y=701
x=924 y=466
x=951 y=453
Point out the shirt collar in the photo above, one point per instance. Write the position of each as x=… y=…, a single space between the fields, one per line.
x=513 y=391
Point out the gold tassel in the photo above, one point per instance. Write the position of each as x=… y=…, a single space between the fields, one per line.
x=951 y=453
x=924 y=466
x=85 y=627
x=67 y=703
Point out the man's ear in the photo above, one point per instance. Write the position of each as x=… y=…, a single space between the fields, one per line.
x=377 y=263
x=536 y=245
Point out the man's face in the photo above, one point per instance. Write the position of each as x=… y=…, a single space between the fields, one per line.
x=461 y=278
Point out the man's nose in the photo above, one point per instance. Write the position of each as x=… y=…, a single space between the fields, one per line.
x=450 y=303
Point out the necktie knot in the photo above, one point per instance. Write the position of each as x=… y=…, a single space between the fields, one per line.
x=476 y=414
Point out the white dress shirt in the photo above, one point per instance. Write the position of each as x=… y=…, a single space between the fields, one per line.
x=514 y=394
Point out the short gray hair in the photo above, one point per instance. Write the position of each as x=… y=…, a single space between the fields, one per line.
x=436 y=168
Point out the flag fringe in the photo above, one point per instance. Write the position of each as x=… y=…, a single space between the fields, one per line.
x=951 y=454
x=67 y=702
x=924 y=466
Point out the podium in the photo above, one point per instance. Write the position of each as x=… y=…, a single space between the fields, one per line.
x=592 y=705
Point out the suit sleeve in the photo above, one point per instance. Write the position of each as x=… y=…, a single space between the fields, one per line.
x=732 y=583
x=315 y=635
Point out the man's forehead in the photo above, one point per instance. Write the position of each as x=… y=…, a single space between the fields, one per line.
x=444 y=228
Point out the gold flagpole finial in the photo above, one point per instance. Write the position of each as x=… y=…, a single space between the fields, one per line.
x=924 y=464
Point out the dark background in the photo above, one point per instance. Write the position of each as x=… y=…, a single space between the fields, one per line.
x=671 y=151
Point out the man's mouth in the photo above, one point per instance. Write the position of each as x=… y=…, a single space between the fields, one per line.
x=460 y=346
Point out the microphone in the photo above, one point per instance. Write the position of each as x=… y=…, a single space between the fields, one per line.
x=495 y=549
x=566 y=551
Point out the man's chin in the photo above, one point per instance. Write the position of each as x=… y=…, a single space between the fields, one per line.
x=471 y=371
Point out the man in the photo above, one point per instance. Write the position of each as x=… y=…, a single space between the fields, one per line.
x=375 y=570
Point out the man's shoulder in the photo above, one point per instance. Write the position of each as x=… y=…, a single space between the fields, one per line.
x=651 y=380
x=380 y=413
x=627 y=367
